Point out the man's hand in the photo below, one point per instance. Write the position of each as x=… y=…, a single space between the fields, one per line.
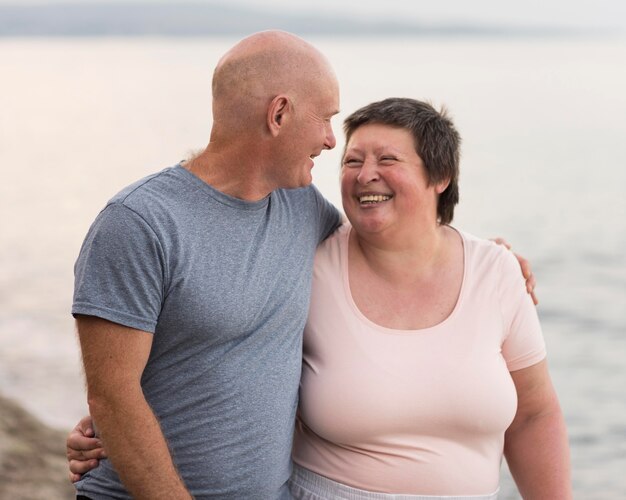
x=83 y=449
x=526 y=270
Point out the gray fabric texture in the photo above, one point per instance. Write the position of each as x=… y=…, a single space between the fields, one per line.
x=224 y=285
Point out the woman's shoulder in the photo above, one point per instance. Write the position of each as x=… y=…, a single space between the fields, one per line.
x=339 y=234
x=335 y=241
x=481 y=252
x=481 y=246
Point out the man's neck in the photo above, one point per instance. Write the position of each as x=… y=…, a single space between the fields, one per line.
x=235 y=176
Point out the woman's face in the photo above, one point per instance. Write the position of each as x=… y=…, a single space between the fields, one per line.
x=384 y=184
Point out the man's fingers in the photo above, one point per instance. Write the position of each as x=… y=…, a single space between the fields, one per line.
x=531 y=282
x=527 y=272
x=502 y=241
x=525 y=265
x=78 y=467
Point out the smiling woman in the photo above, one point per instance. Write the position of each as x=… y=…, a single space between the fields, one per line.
x=423 y=357
x=417 y=136
x=383 y=180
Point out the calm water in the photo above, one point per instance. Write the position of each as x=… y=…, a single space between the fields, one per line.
x=544 y=165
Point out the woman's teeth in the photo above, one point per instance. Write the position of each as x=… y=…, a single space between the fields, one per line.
x=373 y=198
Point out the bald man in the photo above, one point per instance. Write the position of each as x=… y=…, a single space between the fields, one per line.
x=192 y=289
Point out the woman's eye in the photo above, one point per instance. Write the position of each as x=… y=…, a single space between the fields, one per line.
x=387 y=159
x=351 y=162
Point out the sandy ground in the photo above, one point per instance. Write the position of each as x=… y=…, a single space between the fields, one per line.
x=32 y=457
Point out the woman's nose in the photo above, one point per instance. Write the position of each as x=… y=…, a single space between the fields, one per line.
x=368 y=172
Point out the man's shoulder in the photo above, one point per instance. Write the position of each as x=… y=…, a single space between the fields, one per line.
x=144 y=188
x=154 y=201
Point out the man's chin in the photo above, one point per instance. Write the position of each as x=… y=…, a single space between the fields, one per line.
x=304 y=181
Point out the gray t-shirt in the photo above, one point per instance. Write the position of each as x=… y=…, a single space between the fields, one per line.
x=224 y=285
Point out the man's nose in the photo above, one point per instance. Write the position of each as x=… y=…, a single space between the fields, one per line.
x=330 y=142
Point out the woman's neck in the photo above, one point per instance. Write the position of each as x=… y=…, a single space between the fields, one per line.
x=413 y=284
x=407 y=256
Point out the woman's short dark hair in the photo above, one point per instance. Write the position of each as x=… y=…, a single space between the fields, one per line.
x=437 y=141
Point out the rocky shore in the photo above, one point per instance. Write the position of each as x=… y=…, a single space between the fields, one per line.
x=32 y=457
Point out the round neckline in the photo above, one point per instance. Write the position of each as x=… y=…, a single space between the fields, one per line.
x=344 y=246
x=220 y=197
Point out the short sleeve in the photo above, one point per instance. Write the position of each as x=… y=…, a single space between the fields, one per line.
x=523 y=344
x=119 y=274
x=328 y=216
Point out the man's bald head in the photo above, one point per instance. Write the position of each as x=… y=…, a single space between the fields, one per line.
x=260 y=67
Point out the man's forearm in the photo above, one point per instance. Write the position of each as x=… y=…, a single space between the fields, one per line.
x=114 y=357
x=136 y=446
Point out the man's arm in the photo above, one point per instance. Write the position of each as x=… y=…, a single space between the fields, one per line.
x=525 y=267
x=535 y=445
x=114 y=357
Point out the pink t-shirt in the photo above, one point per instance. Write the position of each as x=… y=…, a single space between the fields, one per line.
x=414 y=411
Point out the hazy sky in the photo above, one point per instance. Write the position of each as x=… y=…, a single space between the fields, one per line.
x=595 y=14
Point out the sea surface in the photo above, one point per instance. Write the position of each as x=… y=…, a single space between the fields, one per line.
x=544 y=165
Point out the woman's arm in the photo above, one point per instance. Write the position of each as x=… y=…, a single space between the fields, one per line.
x=535 y=445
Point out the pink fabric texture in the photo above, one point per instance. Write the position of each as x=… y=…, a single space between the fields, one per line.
x=414 y=411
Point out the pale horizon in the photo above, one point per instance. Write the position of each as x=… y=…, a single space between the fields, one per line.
x=584 y=15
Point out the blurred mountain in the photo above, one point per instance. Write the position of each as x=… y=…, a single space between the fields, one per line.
x=193 y=19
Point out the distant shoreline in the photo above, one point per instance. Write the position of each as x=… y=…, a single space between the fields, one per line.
x=190 y=20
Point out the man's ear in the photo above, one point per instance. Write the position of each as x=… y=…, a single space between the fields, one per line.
x=277 y=113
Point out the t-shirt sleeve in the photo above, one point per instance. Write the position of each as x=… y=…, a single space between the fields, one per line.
x=119 y=274
x=523 y=344
x=328 y=216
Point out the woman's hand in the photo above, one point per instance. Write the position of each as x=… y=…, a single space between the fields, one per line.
x=84 y=450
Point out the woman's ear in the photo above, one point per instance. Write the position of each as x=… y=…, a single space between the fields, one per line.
x=441 y=186
x=276 y=113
